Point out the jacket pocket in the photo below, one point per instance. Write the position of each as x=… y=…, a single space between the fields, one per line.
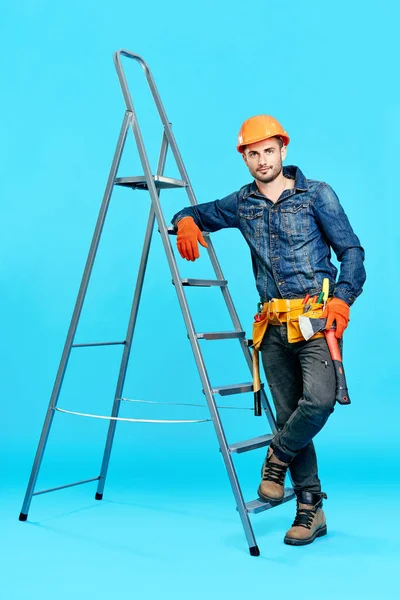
x=251 y=224
x=294 y=218
x=293 y=208
x=251 y=213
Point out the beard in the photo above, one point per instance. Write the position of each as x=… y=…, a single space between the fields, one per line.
x=269 y=176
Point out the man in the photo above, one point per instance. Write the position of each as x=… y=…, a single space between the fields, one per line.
x=290 y=224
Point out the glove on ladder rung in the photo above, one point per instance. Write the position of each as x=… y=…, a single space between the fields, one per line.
x=140 y=182
x=171 y=230
x=252 y=444
x=221 y=335
x=205 y=282
x=236 y=388
x=257 y=506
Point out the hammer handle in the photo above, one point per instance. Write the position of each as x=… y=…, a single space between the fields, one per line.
x=342 y=394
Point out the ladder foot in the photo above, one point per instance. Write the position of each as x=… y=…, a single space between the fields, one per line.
x=99 y=496
x=254 y=551
x=22 y=517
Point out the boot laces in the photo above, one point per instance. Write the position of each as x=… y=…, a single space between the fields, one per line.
x=274 y=472
x=305 y=516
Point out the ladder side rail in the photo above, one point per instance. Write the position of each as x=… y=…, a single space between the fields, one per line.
x=160 y=109
x=130 y=330
x=192 y=197
x=76 y=315
x=191 y=333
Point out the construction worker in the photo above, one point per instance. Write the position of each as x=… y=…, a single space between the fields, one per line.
x=290 y=224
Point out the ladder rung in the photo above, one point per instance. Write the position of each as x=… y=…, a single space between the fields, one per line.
x=220 y=335
x=257 y=506
x=140 y=183
x=252 y=444
x=98 y=344
x=62 y=487
x=205 y=282
x=236 y=388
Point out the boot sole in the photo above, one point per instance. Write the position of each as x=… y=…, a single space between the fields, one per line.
x=294 y=542
x=268 y=499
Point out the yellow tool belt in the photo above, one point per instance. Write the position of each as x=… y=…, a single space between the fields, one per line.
x=276 y=312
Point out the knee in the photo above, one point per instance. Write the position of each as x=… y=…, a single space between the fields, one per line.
x=318 y=408
x=282 y=416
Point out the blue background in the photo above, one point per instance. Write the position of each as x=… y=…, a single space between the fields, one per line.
x=167 y=524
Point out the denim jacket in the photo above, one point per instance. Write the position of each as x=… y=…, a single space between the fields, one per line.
x=290 y=241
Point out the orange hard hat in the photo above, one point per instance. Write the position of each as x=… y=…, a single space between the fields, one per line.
x=260 y=128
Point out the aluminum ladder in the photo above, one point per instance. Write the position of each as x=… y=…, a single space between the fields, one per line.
x=154 y=184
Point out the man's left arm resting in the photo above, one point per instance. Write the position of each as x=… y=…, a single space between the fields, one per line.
x=338 y=232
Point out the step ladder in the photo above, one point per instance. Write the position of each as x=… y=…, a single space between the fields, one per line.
x=154 y=183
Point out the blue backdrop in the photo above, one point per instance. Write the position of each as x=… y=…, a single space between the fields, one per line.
x=328 y=72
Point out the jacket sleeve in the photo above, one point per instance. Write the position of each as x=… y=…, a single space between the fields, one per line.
x=212 y=216
x=337 y=230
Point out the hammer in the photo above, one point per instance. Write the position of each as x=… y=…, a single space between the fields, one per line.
x=310 y=327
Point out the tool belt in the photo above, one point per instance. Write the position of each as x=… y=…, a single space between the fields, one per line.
x=275 y=313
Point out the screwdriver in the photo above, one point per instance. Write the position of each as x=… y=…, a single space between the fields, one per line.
x=325 y=290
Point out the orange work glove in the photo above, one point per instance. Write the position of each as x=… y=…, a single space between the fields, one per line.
x=188 y=236
x=337 y=310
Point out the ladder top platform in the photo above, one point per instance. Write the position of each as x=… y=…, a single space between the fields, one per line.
x=139 y=182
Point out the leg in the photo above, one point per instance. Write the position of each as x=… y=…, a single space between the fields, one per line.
x=304 y=470
x=283 y=372
x=315 y=405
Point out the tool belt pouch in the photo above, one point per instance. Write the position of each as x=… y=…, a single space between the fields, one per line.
x=259 y=329
x=293 y=328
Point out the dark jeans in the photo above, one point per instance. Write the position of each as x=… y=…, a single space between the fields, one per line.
x=302 y=381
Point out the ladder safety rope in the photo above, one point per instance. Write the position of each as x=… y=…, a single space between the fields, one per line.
x=184 y=404
x=79 y=414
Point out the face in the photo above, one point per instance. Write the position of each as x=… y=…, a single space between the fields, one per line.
x=264 y=159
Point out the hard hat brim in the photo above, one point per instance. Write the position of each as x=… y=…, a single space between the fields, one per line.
x=285 y=139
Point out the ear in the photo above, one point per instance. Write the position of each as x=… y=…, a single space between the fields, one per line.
x=283 y=152
x=244 y=157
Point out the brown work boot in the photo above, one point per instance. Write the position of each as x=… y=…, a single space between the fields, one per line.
x=273 y=471
x=310 y=521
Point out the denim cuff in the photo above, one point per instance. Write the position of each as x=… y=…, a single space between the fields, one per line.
x=345 y=295
x=280 y=454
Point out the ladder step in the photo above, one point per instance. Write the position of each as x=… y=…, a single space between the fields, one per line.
x=257 y=506
x=140 y=183
x=220 y=335
x=98 y=344
x=236 y=388
x=252 y=444
x=205 y=282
